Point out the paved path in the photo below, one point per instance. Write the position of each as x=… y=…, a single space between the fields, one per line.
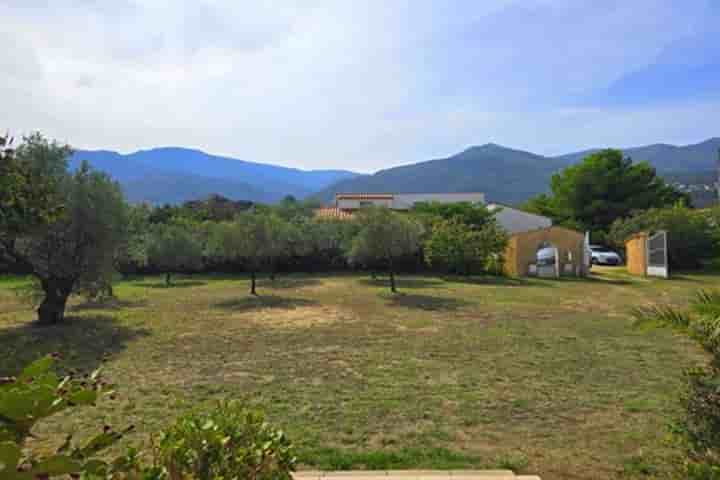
x=413 y=475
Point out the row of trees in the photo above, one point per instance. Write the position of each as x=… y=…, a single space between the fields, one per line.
x=462 y=239
x=74 y=231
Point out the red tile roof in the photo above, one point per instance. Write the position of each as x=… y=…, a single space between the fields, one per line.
x=333 y=212
x=365 y=196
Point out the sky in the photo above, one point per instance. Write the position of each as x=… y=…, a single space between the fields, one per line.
x=360 y=84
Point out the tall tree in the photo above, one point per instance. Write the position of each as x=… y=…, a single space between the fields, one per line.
x=73 y=223
x=173 y=248
x=385 y=236
x=602 y=188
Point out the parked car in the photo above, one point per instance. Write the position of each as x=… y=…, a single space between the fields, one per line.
x=600 y=255
x=546 y=256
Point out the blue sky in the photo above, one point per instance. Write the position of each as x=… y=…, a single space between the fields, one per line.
x=361 y=85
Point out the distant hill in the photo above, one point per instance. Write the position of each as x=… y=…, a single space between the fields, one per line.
x=667 y=158
x=511 y=176
x=503 y=174
x=175 y=175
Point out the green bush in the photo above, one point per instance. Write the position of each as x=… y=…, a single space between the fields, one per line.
x=36 y=394
x=692 y=236
x=228 y=442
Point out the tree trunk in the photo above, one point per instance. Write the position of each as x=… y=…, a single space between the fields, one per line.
x=252 y=283
x=52 y=308
x=392 y=278
x=167 y=279
x=272 y=273
x=373 y=275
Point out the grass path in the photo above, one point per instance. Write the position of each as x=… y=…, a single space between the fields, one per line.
x=543 y=375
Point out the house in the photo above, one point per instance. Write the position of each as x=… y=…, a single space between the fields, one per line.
x=401 y=201
x=511 y=219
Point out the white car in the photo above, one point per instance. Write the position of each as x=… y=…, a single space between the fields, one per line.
x=604 y=256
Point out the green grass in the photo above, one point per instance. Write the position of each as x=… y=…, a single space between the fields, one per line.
x=542 y=376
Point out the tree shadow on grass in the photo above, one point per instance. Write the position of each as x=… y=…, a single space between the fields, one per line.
x=403 y=282
x=286 y=283
x=425 y=302
x=246 y=304
x=496 y=281
x=598 y=279
x=82 y=342
x=107 y=304
x=175 y=284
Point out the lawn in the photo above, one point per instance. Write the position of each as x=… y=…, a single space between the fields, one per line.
x=545 y=376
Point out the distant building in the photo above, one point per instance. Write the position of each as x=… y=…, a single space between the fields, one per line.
x=511 y=219
x=401 y=201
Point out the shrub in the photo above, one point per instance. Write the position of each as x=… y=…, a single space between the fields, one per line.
x=35 y=394
x=691 y=235
x=228 y=442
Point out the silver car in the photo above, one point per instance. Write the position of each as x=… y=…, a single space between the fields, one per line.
x=604 y=256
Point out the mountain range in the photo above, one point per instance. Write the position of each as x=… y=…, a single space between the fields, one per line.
x=174 y=175
x=512 y=176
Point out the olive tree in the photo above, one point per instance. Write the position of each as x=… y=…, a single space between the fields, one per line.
x=172 y=249
x=459 y=248
x=384 y=237
x=73 y=223
x=245 y=240
x=132 y=254
x=282 y=240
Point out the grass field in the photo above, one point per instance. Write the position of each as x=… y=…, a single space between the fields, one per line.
x=544 y=376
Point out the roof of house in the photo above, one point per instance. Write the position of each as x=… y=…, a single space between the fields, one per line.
x=333 y=213
x=365 y=196
x=496 y=206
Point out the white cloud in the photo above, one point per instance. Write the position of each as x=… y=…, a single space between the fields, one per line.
x=335 y=84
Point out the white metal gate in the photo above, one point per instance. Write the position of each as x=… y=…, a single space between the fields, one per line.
x=657 y=257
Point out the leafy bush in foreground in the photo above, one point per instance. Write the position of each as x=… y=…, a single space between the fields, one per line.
x=38 y=393
x=228 y=442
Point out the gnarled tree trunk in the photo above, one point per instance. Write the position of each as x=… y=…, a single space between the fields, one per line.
x=52 y=308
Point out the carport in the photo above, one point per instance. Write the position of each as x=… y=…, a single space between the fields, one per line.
x=547 y=252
